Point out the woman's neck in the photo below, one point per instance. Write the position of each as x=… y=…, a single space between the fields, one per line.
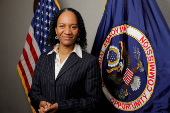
x=65 y=51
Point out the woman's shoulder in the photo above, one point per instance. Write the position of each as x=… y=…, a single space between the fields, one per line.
x=89 y=56
x=89 y=59
x=44 y=55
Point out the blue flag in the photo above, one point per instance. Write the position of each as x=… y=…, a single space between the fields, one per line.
x=133 y=47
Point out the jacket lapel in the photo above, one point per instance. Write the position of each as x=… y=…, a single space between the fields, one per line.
x=51 y=64
x=72 y=60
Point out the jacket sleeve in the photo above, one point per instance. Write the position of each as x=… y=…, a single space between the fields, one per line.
x=93 y=89
x=35 y=92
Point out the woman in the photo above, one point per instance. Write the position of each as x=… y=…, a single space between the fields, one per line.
x=66 y=79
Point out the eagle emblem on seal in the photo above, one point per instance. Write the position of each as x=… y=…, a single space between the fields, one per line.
x=120 y=61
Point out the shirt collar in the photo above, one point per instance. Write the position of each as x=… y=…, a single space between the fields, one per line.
x=77 y=49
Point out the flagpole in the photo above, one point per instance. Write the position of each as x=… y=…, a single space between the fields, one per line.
x=56 y=2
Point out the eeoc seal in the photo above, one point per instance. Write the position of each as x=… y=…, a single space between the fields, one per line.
x=128 y=68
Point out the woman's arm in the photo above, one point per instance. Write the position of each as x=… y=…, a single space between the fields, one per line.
x=35 y=92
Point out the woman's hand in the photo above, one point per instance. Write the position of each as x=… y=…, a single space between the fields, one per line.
x=52 y=109
x=43 y=106
x=41 y=110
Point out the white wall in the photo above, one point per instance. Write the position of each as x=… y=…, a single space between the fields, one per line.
x=15 y=19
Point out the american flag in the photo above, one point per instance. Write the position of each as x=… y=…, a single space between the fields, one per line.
x=35 y=41
x=128 y=76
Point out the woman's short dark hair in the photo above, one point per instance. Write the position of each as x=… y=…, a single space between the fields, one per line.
x=51 y=41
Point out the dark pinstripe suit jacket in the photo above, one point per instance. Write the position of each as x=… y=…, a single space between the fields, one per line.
x=77 y=87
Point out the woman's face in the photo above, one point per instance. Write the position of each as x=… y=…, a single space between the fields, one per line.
x=67 y=28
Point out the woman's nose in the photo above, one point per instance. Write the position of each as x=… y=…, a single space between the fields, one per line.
x=67 y=30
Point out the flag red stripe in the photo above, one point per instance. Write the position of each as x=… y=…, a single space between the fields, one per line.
x=34 y=54
x=24 y=75
x=28 y=62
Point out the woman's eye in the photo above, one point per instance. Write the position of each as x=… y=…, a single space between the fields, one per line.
x=73 y=27
x=61 y=26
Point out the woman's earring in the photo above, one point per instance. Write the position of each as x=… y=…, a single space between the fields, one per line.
x=78 y=39
x=56 y=37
